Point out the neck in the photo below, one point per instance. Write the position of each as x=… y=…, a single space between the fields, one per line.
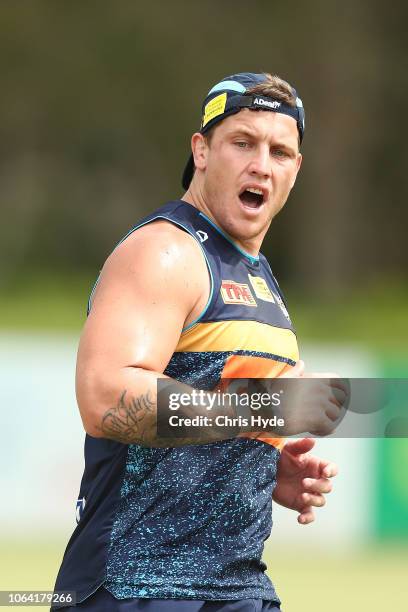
x=194 y=196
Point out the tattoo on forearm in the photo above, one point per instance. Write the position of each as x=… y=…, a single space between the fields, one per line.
x=129 y=421
x=134 y=421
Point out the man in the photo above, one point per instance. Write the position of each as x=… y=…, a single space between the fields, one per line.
x=180 y=524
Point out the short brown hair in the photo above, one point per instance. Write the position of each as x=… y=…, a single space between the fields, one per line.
x=276 y=88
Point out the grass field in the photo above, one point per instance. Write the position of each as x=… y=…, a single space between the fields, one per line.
x=42 y=301
x=372 y=580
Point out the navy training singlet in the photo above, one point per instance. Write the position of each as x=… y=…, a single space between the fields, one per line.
x=190 y=522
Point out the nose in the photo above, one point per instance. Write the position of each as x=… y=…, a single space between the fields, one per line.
x=260 y=164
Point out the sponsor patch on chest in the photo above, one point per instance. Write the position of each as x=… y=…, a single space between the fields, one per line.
x=260 y=288
x=237 y=293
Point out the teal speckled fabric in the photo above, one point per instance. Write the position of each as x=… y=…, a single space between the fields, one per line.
x=192 y=522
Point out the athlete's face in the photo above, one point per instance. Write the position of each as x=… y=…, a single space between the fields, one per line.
x=248 y=152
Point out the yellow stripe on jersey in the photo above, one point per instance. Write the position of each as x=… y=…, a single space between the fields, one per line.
x=242 y=336
x=238 y=336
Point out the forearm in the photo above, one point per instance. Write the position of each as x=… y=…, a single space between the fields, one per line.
x=126 y=409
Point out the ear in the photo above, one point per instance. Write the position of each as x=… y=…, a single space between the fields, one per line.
x=298 y=164
x=199 y=148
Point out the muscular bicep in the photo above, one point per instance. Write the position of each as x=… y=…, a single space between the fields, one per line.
x=147 y=289
x=150 y=287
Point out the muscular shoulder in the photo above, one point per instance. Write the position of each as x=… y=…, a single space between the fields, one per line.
x=160 y=247
x=160 y=259
x=159 y=238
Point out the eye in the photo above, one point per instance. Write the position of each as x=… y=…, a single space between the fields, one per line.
x=279 y=153
x=241 y=144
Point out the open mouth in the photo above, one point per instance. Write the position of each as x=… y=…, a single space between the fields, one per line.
x=252 y=198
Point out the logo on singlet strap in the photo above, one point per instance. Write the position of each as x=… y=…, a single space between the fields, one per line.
x=80 y=507
x=202 y=235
